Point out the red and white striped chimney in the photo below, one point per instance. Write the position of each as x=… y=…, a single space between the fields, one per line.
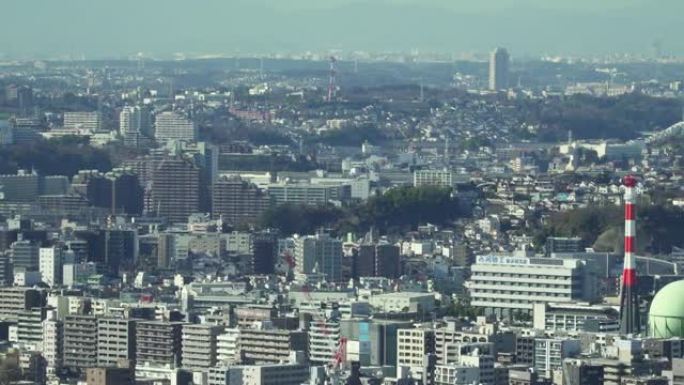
x=629 y=300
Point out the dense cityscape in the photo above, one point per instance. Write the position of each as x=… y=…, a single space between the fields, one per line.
x=338 y=217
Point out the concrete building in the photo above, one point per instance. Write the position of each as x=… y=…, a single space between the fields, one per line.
x=25 y=255
x=372 y=342
x=159 y=343
x=80 y=341
x=85 y=121
x=16 y=299
x=436 y=178
x=581 y=372
x=171 y=125
x=280 y=374
x=319 y=253
x=200 y=345
x=110 y=376
x=412 y=346
x=20 y=187
x=324 y=339
x=509 y=284
x=174 y=191
x=421 y=303
x=307 y=194
x=238 y=201
x=115 y=341
x=30 y=328
x=574 y=317
x=270 y=345
x=228 y=346
x=53 y=342
x=549 y=353
x=50 y=265
x=498 y=69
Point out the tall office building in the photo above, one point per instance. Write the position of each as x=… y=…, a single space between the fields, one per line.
x=174 y=190
x=80 y=341
x=171 y=125
x=498 y=69
x=87 y=121
x=238 y=201
x=50 y=265
x=319 y=253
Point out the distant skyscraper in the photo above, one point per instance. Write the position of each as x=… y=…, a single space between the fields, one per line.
x=498 y=69
x=171 y=125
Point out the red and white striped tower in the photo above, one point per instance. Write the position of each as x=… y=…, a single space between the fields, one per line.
x=629 y=299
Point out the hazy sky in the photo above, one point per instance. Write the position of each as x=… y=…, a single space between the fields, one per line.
x=116 y=28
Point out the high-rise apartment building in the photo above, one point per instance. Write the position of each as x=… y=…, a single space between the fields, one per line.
x=238 y=201
x=159 y=342
x=116 y=341
x=200 y=345
x=324 y=339
x=80 y=341
x=53 y=342
x=174 y=190
x=320 y=253
x=270 y=345
x=50 y=265
x=30 y=328
x=135 y=122
x=15 y=299
x=228 y=346
x=498 y=69
x=171 y=125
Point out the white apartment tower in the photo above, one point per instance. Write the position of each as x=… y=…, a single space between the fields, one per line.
x=50 y=261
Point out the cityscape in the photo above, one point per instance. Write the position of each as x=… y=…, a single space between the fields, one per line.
x=340 y=216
